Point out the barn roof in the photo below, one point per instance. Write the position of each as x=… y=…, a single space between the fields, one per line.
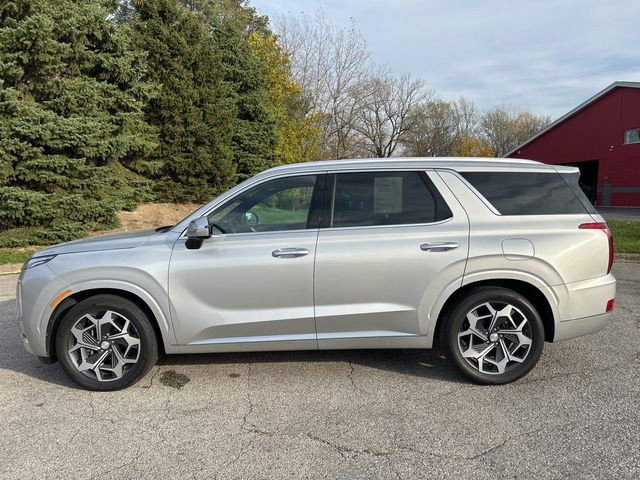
x=583 y=105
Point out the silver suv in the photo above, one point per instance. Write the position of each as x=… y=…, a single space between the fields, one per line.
x=489 y=257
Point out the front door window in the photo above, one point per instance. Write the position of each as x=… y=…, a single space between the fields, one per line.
x=277 y=205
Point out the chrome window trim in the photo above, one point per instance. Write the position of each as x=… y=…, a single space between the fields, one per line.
x=395 y=225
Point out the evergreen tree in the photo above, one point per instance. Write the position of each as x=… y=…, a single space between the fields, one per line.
x=195 y=109
x=254 y=139
x=254 y=136
x=72 y=92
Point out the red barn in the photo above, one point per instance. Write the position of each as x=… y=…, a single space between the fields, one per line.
x=602 y=138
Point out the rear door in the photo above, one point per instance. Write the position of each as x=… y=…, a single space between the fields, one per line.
x=389 y=243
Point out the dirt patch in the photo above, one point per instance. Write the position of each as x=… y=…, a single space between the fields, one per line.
x=148 y=215
x=172 y=379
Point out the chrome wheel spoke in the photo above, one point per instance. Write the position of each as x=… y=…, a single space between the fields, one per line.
x=84 y=338
x=119 y=363
x=500 y=365
x=93 y=362
x=104 y=322
x=81 y=344
x=473 y=318
x=477 y=355
x=494 y=316
x=517 y=333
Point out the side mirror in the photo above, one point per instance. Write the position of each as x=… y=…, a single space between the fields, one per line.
x=197 y=231
x=199 y=228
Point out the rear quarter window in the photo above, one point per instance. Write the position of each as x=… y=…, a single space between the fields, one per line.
x=527 y=193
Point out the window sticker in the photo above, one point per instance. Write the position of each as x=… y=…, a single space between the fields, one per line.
x=387 y=195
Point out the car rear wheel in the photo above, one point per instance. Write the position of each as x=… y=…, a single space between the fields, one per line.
x=106 y=342
x=493 y=336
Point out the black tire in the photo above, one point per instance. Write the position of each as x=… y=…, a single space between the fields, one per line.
x=147 y=355
x=455 y=323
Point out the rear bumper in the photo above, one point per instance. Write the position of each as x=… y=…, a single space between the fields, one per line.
x=580 y=326
x=582 y=306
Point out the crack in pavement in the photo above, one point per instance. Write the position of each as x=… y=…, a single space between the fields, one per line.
x=350 y=375
x=246 y=427
x=153 y=375
x=344 y=450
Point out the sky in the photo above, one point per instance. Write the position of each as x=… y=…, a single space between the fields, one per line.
x=544 y=56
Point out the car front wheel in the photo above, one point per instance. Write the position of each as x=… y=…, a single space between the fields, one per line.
x=106 y=342
x=493 y=336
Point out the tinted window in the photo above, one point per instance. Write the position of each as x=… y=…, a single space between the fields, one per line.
x=385 y=198
x=281 y=204
x=526 y=193
x=572 y=180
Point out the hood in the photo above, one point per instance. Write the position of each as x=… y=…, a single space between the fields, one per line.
x=112 y=241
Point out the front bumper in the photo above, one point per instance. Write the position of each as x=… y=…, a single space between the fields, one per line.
x=37 y=287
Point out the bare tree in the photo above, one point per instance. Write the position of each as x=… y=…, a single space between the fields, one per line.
x=330 y=63
x=467 y=117
x=434 y=131
x=386 y=113
x=504 y=128
x=358 y=112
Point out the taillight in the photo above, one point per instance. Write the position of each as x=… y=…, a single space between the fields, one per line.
x=605 y=228
x=610 y=306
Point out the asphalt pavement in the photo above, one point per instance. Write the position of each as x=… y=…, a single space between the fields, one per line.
x=344 y=415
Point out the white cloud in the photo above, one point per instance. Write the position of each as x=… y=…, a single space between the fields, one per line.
x=546 y=56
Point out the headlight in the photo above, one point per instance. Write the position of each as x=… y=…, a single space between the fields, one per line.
x=35 y=261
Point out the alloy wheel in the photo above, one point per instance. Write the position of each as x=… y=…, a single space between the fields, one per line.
x=495 y=337
x=103 y=345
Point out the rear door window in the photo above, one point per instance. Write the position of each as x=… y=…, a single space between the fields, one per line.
x=384 y=198
x=527 y=193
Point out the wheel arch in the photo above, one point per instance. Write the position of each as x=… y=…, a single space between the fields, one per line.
x=77 y=296
x=527 y=289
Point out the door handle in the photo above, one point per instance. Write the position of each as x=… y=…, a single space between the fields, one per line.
x=438 y=246
x=289 y=252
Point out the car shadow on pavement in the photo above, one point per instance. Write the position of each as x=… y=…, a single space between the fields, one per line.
x=415 y=362
x=419 y=363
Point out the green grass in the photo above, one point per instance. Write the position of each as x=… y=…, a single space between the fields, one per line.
x=277 y=215
x=16 y=255
x=626 y=235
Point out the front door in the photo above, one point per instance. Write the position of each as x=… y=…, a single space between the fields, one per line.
x=250 y=286
x=390 y=245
